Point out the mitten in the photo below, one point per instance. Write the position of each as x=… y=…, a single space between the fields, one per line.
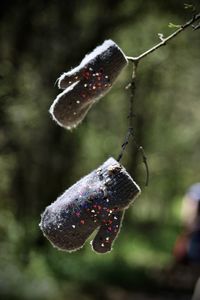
x=97 y=201
x=87 y=83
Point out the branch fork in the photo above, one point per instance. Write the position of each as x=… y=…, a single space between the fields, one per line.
x=132 y=84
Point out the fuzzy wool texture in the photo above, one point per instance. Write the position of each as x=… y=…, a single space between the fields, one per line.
x=87 y=83
x=97 y=201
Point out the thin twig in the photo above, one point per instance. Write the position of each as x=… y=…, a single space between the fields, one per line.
x=144 y=158
x=165 y=40
x=132 y=86
x=130 y=132
x=196 y=27
x=125 y=143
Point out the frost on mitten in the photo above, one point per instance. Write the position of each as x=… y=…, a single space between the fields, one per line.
x=97 y=201
x=87 y=83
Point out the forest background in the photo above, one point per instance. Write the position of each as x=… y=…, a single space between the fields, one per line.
x=38 y=41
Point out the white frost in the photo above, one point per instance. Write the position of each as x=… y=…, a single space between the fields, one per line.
x=97 y=51
x=51 y=110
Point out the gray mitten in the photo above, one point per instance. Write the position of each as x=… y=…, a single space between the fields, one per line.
x=97 y=201
x=87 y=83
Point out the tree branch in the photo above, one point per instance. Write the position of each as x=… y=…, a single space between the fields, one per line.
x=165 y=40
x=132 y=87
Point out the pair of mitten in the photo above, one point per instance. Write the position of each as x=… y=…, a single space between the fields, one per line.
x=98 y=200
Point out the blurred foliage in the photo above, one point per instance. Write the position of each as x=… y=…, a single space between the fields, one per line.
x=39 y=160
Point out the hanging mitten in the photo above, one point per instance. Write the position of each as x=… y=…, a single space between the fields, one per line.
x=87 y=83
x=97 y=201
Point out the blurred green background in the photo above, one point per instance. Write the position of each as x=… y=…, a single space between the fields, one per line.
x=38 y=41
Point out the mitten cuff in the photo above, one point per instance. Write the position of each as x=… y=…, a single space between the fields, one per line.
x=108 y=57
x=119 y=185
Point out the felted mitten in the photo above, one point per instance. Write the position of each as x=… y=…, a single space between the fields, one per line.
x=87 y=83
x=97 y=201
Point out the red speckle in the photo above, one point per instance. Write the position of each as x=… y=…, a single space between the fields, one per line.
x=86 y=74
x=99 y=207
x=110 y=228
x=83 y=95
x=82 y=221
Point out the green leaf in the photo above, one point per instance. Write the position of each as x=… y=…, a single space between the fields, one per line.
x=188 y=6
x=171 y=25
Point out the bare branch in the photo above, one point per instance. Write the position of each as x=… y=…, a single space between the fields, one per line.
x=196 y=27
x=165 y=40
x=161 y=36
x=132 y=86
x=144 y=158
